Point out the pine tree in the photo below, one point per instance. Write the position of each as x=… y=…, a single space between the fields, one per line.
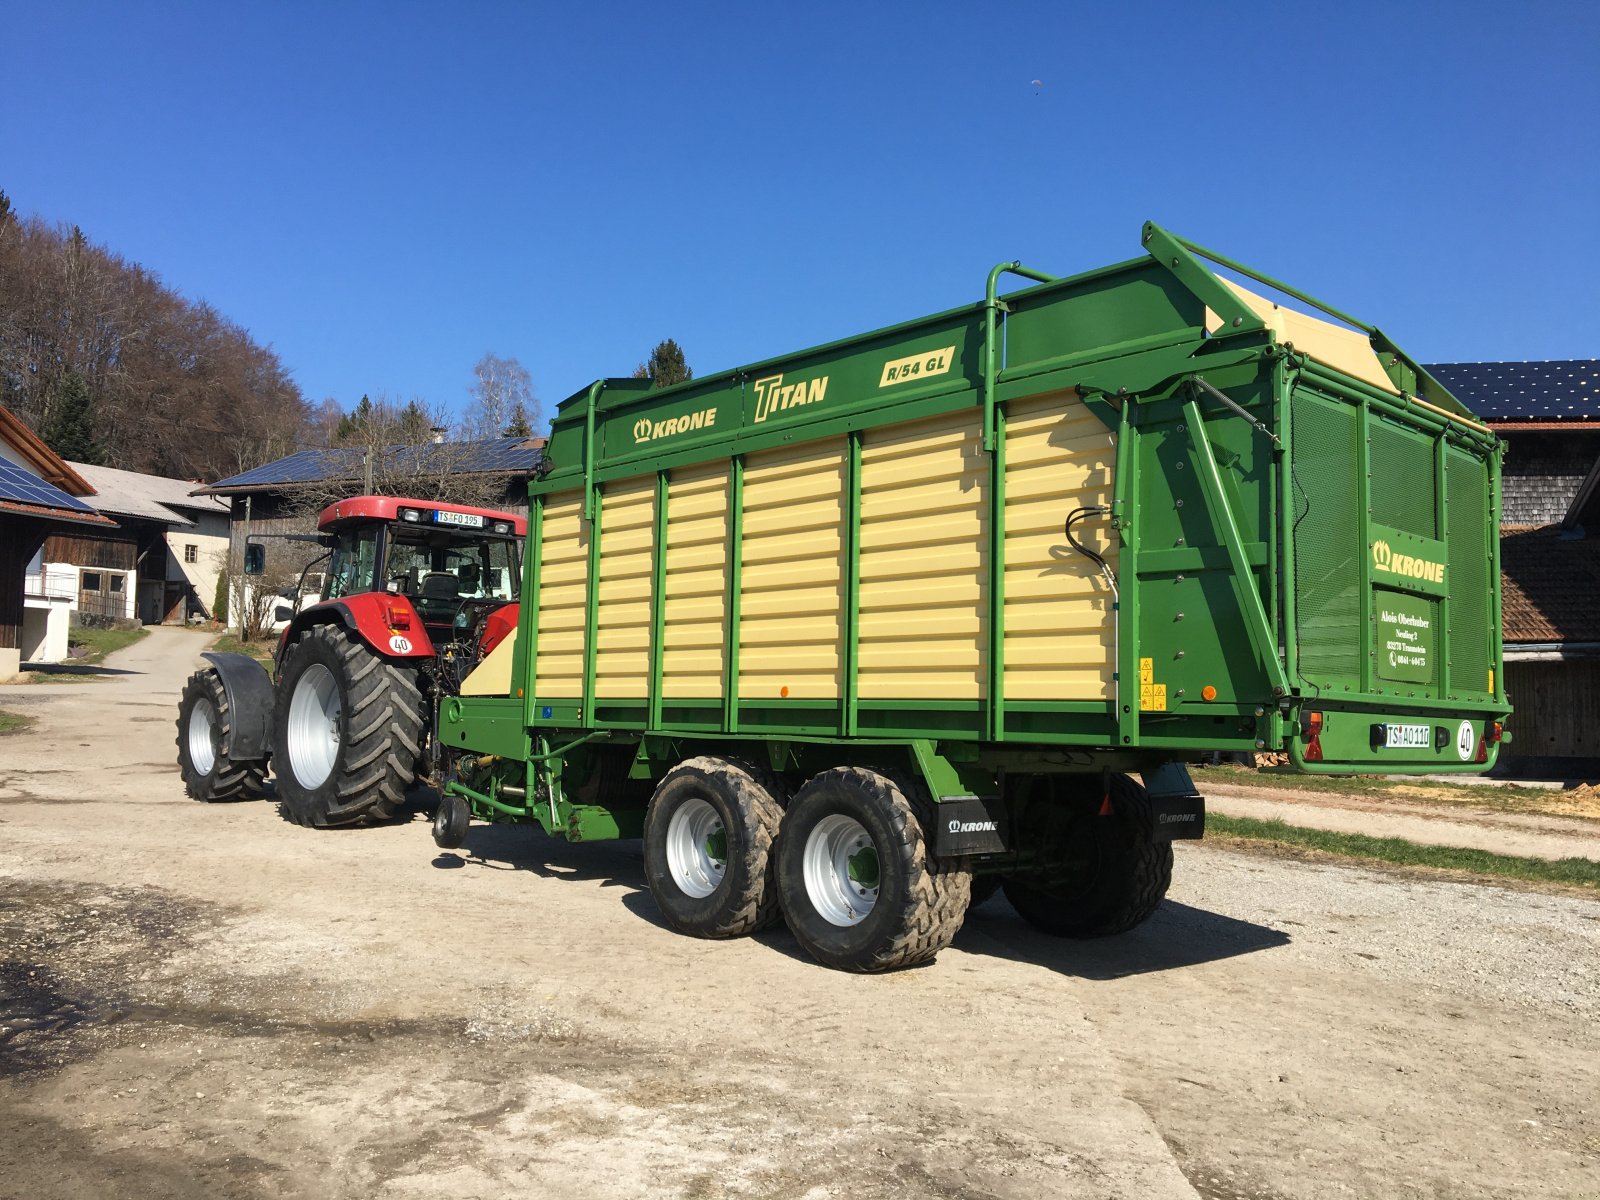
x=354 y=424
x=415 y=425
x=518 y=426
x=69 y=429
x=666 y=366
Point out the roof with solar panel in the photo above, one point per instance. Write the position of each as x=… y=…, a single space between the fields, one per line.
x=497 y=456
x=25 y=461
x=1563 y=392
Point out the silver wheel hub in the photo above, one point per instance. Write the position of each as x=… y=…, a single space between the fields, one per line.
x=841 y=870
x=697 y=848
x=202 y=747
x=313 y=733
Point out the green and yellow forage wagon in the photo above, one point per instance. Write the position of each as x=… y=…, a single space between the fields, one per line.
x=854 y=636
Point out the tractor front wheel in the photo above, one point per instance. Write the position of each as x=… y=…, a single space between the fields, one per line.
x=205 y=735
x=347 y=732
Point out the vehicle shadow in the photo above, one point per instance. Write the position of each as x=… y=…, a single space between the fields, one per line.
x=67 y=670
x=1178 y=935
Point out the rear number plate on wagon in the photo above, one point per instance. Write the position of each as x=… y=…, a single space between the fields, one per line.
x=1408 y=737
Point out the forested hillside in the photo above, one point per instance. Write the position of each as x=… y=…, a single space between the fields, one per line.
x=111 y=365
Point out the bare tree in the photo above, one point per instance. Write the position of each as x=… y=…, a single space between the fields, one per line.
x=504 y=400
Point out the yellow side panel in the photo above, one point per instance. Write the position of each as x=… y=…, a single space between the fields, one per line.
x=695 y=617
x=924 y=560
x=492 y=677
x=563 y=593
x=792 y=575
x=1059 y=633
x=622 y=633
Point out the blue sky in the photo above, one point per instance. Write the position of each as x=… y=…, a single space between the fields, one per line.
x=384 y=192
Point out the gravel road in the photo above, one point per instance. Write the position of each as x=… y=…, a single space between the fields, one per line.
x=206 y=1001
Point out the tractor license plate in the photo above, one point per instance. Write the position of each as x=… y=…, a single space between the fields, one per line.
x=1408 y=737
x=470 y=520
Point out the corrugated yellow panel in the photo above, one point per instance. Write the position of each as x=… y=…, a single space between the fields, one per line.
x=1058 y=616
x=627 y=563
x=792 y=573
x=695 y=617
x=563 y=593
x=924 y=560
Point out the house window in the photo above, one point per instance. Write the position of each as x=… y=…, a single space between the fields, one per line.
x=191 y=552
x=91 y=581
x=116 y=583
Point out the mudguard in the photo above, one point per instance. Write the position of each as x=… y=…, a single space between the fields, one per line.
x=250 y=700
x=385 y=621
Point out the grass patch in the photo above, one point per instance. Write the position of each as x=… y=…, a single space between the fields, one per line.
x=230 y=643
x=97 y=643
x=1574 y=872
x=11 y=722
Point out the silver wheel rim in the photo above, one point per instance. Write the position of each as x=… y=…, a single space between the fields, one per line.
x=841 y=870
x=202 y=750
x=697 y=848
x=314 y=726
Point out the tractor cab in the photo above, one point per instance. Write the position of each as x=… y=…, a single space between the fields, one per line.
x=454 y=563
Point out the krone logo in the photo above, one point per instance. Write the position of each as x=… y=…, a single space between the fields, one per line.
x=646 y=430
x=957 y=826
x=1387 y=562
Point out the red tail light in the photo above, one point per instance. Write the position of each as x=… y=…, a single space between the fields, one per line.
x=1313 y=735
x=1494 y=733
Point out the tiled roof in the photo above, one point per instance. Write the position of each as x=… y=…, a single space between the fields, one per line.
x=1550 y=583
x=498 y=456
x=152 y=497
x=1565 y=390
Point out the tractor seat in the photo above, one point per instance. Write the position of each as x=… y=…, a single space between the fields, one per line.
x=441 y=585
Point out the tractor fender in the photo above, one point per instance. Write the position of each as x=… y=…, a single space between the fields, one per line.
x=371 y=617
x=248 y=688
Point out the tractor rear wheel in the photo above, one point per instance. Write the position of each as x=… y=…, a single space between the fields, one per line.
x=205 y=730
x=347 y=731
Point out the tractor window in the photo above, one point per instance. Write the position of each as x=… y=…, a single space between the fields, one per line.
x=441 y=568
x=355 y=560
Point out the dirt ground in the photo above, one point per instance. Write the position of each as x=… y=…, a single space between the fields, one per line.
x=206 y=1001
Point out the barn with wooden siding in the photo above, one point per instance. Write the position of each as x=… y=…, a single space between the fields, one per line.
x=1548 y=414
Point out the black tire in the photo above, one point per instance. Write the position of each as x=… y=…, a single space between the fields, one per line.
x=919 y=902
x=983 y=887
x=205 y=731
x=450 y=822
x=1119 y=880
x=361 y=770
x=697 y=892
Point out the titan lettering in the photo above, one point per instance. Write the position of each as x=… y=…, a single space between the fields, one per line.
x=773 y=395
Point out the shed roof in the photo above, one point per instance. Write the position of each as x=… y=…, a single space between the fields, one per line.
x=496 y=456
x=1550 y=581
x=1565 y=391
x=151 y=497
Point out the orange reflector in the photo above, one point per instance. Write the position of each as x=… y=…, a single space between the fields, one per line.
x=783 y=691
x=1105 y=806
x=1208 y=692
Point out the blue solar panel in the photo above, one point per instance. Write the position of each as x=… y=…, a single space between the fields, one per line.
x=1565 y=390
x=21 y=487
x=510 y=455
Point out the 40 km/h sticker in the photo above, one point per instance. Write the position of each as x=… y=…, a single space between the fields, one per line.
x=400 y=645
x=1466 y=741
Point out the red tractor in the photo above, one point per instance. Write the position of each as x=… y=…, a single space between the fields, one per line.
x=417 y=593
